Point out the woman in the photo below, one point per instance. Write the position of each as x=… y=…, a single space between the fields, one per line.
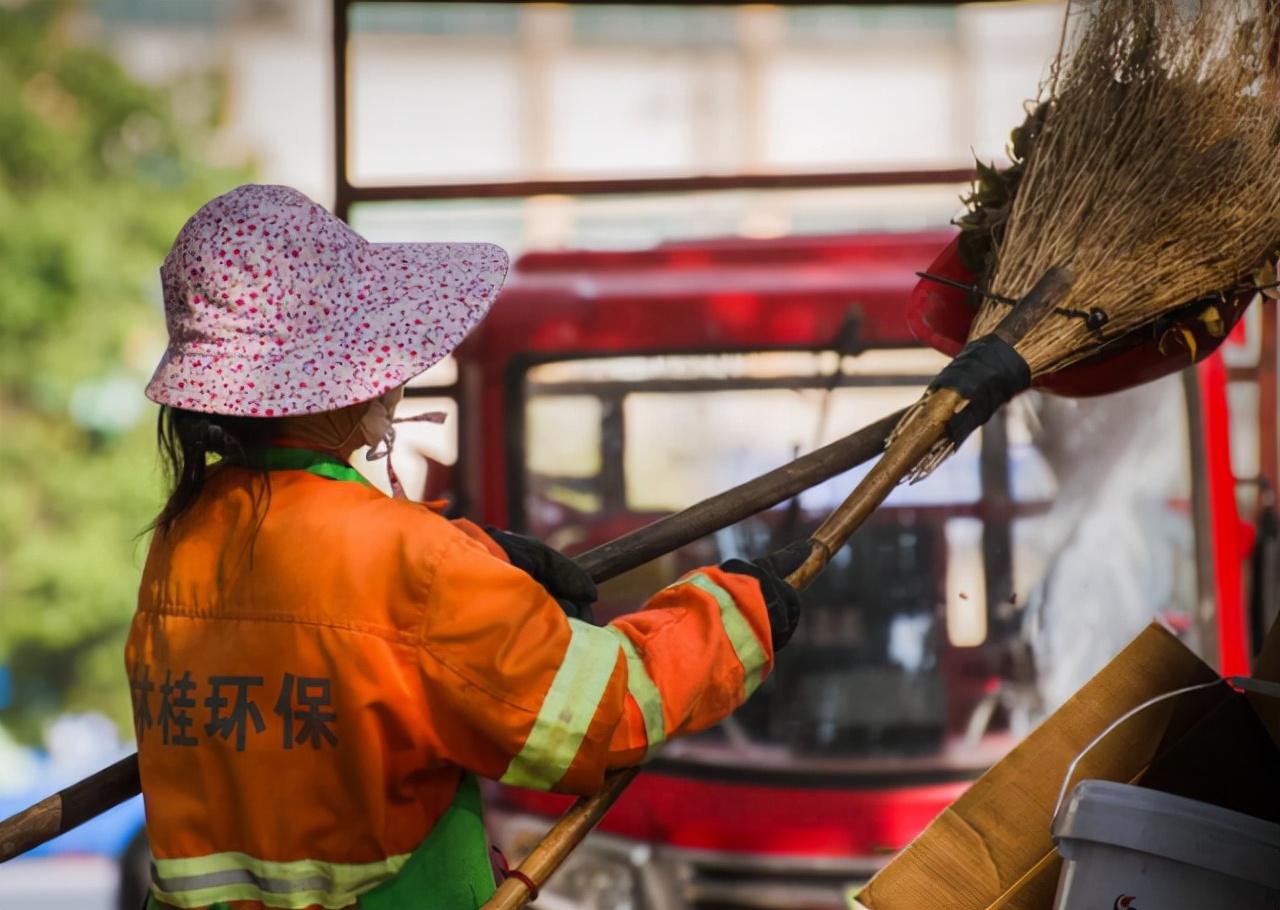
x=319 y=670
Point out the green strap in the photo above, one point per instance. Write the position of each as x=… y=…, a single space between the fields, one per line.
x=321 y=464
x=450 y=870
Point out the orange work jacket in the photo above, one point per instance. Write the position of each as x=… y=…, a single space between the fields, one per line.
x=314 y=666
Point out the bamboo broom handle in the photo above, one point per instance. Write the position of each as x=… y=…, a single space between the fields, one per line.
x=924 y=430
x=913 y=442
x=563 y=838
x=77 y=804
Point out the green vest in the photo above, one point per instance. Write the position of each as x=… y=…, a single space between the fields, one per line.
x=450 y=869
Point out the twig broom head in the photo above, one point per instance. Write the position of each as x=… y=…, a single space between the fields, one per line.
x=1155 y=173
x=1153 y=179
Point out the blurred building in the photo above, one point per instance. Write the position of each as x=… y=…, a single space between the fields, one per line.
x=476 y=92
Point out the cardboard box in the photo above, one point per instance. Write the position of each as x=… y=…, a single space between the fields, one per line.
x=991 y=850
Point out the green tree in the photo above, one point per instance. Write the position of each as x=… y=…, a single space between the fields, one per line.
x=97 y=175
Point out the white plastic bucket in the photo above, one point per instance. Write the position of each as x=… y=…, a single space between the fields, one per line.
x=1129 y=848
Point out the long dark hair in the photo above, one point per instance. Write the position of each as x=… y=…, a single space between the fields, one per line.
x=191 y=443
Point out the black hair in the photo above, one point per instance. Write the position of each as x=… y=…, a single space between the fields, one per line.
x=191 y=443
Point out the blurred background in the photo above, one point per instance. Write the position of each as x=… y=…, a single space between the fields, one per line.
x=118 y=118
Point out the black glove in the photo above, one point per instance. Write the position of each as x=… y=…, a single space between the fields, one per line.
x=781 y=600
x=564 y=580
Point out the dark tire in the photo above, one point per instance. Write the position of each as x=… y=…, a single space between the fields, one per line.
x=135 y=873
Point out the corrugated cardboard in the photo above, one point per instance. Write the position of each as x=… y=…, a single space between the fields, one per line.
x=992 y=850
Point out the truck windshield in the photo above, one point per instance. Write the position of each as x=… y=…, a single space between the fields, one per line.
x=966 y=608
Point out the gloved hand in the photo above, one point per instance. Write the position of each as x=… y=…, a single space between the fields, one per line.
x=780 y=599
x=564 y=580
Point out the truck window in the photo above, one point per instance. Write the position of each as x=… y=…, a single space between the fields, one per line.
x=966 y=608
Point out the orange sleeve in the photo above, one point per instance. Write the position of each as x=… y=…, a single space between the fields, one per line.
x=517 y=691
x=473 y=530
x=702 y=646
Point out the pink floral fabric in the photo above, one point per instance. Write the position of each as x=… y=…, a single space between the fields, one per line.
x=275 y=307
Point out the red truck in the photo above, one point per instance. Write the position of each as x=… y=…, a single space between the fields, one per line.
x=607 y=389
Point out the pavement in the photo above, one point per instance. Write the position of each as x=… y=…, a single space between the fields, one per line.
x=62 y=883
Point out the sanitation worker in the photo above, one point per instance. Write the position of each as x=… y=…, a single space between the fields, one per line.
x=321 y=671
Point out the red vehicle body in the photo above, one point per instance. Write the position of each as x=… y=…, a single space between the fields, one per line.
x=607 y=389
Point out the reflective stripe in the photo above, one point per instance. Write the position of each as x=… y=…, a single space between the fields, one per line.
x=204 y=880
x=643 y=689
x=743 y=638
x=568 y=708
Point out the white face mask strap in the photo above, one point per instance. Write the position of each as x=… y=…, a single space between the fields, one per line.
x=382 y=448
x=428 y=417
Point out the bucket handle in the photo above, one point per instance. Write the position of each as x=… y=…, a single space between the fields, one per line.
x=1164 y=696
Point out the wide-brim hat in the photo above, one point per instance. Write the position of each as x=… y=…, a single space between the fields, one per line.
x=275 y=307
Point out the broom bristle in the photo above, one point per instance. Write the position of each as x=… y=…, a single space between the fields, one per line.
x=1156 y=175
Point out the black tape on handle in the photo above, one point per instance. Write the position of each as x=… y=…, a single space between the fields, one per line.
x=987 y=372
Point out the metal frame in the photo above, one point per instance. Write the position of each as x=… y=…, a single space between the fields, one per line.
x=346 y=194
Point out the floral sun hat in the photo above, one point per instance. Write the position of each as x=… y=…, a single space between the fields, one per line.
x=275 y=307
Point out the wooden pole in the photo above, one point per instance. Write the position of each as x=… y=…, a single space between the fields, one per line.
x=674 y=531
x=111 y=786
x=69 y=808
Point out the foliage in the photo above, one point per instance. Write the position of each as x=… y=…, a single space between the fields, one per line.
x=97 y=174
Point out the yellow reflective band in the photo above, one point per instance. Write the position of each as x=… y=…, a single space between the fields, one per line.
x=567 y=710
x=204 y=880
x=643 y=689
x=743 y=638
